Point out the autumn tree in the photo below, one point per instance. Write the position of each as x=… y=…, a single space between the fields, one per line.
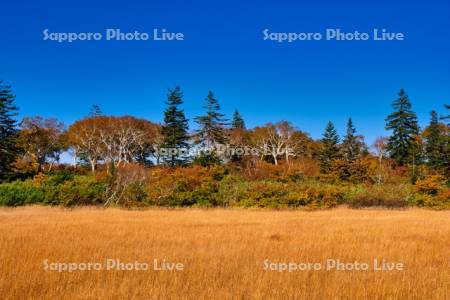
x=380 y=146
x=114 y=140
x=238 y=138
x=275 y=141
x=84 y=138
x=8 y=130
x=402 y=144
x=286 y=133
x=42 y=140
x=330 y=148
x=174 y=131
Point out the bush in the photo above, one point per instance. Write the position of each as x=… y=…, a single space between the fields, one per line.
x=281 y=195
x=53 y=190
x=83 y=190
x=127 y=185
x=390 y=196
x=134 y=185
x=430 y=185
x=19 y=193
x=432 y=192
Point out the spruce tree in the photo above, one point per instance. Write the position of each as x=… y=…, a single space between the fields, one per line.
x=330 y=148
x=212 y=124
x=238 y=121
x=351 y=146
x=8 y=149
x=95 y=111
x=435 y=142
x=448 y=116
x=403 y=123
x=174 y=131
x=446 y=164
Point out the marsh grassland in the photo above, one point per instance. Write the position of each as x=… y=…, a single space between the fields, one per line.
x=223 y=253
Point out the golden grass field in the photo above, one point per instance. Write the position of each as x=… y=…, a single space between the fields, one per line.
x=223 y=253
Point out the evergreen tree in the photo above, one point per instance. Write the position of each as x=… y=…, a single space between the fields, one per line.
x=95 y=111
x=435 y=142
x=446 y=163
x=238 y=121
x=330 y=148
x=351 y=146
x=212 y=125
x=174 y=131
x=8 y=149
x=403 y=123
x=448 y=116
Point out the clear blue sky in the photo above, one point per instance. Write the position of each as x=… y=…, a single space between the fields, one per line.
x=307 y=82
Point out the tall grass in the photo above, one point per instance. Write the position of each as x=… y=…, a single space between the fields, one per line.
x=223 y=252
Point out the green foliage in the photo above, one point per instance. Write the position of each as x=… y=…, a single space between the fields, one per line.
x=390 y=196
x=206 y=159
x=238 y=121
x=212 y=124
x=8 y=148
x=403 y=123
x=60 y=189
x=20 y=193
x=330 y=148
x=95 y=111
x=217 y=186
x=436 y=143
x=351 y=148
x=282 y=195
x=174 y=130
x=79 y=191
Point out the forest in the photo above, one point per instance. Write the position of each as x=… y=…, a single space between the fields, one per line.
x=133 y=162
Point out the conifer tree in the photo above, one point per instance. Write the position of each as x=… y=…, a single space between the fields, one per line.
x=448 y=116
x=435 y=142
x=330 y=148
x=351 y=146
x=95 y=111
x=174 y=131
x=212 y=124
x=403 y=123
x=238 y=121
x=447 y=145
x=8 y=149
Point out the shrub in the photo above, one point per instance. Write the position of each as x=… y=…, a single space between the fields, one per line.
x=390 y=196
x=430 y=185
x=53 y=190
x=185 y=186
x=83 y=190
x=19 y=193
x=279 y=195
x=271 y=186
x=127 y=185
x=432 y=192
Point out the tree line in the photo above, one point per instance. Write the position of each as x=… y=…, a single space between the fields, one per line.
x=36 y=143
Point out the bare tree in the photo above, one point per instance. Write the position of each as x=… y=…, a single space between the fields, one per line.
x=380 y=146
x=113 y=140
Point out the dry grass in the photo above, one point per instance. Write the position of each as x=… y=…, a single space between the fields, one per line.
x=223 y=251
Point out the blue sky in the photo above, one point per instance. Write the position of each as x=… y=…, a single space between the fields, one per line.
x=307 y=83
